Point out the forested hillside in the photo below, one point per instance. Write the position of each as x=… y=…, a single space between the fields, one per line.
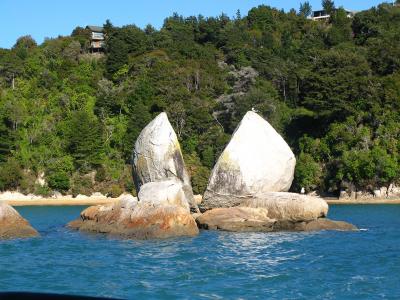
x=332 y=89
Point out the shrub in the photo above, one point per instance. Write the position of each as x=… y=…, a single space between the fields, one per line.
x=10 y=175
x=42 y=190
x=199 y=174
x=307 y=174
x=59 y=181
x=27 y=182
x=114 y=190
x=81 y=185
x=101 y=174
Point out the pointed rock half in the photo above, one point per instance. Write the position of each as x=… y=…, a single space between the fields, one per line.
x=157 y=156
x=256 y=160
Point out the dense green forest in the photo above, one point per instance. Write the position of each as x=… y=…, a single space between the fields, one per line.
x=331 y=88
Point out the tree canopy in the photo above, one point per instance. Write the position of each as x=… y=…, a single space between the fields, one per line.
x=332 y=89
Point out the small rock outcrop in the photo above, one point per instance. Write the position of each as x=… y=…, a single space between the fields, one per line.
x=137 y=220
x=169 y=192
x=256 y=160
x=246 y=219
x=157 y=157
x=12 y=225
x=273 y=212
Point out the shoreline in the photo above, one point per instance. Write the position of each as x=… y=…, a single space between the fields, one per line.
x=60 y=202
x=361 y=202
x=101 y=201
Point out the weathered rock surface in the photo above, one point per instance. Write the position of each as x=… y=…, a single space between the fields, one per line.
x=141 y=221
x=245 y=219
x=289 y=206
x=127 y=201
x=12 y=225
x=237 y=219
x=314 y=225
x=168 y=192
x=256 y=160
x=157 y=156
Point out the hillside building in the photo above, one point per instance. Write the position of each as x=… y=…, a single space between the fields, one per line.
x=96 y=38
x=319 y=15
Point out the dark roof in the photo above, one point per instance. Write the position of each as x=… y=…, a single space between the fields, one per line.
x=95 y=28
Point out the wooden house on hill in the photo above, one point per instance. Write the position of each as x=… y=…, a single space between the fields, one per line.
x=96 y=38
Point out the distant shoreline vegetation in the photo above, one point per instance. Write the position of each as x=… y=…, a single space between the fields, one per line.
x=69 y=117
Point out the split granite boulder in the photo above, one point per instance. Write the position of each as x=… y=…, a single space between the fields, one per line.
x=12 y=225
x=157 y=157
x=137 y=220
x=256 y=160
x=247 y=190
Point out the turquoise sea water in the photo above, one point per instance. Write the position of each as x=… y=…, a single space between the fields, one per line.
x=214 y=265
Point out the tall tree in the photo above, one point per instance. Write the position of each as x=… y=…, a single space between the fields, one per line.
x=328 y=6
x=305 y=9
x=84 y=139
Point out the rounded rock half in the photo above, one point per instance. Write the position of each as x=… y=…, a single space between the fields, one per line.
x=256 y=160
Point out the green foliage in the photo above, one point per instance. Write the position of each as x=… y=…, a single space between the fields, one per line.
x=332 y=89
x=328 y=6
x=308 y=173
x=59 y=181
x=305 y=9
x=43 y=191
x=84 y=138
x=198 y=173
x=10 y=175
x=114 y=190
x=81 y=184
x=369 y=168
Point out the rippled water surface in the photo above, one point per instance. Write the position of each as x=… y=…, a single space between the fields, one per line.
x=214 y=265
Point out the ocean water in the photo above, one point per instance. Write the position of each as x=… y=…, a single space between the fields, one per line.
x=213 y=265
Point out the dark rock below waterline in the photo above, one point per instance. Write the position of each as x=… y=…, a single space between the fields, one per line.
x=246 y=219
x=12 y=225
x=141 y=221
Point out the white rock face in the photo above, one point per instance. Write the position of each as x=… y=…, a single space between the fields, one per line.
x=157 y=156
x=98 y=195
x=169 y=192
x=289 y=206
x=17 y=196
x=41 y=180
x=257 y=160
x=127 y=201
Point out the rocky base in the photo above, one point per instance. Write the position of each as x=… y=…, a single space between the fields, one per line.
x=12 y=225
x=246 y=219
x=236 y=219
x=289 y=206
x=280 y=205
x=137 y=221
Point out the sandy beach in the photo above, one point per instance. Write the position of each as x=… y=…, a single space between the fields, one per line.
x=364 y=201
x=60 y=202
x=99 y=201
